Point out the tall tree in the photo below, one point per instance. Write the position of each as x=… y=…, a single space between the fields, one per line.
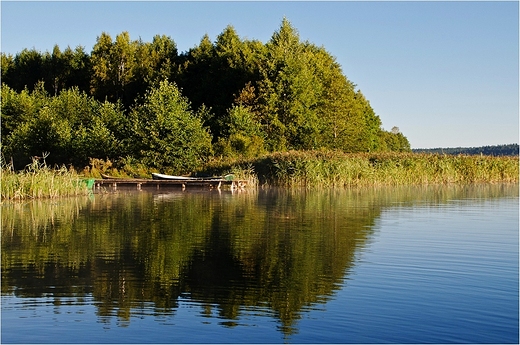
x=288 y=92
x=154 y=62
x=342 y=120
x=197 y=78
x=78 y=69
x=306 y=102
x=54 y=70
x=295 y=91
x=113 y=65
x=164 y=58
x=214 y=73
x=58 y=70
x=7 y=66
x=26 y=71
x=101 y=59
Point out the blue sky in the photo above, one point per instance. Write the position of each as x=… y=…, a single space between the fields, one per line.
x=445 y=73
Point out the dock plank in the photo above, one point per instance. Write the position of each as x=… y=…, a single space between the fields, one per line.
x=115 y=183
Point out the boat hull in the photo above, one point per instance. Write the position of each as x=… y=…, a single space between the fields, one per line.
x=157 y=176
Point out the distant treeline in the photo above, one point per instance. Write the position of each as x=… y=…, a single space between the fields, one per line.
x=144 y=101
x=495 y=150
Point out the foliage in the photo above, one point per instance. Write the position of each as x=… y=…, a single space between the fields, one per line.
x=324 y=168
x=214 y=73
x=58 y=70
x=495 y=150
x=19 y=107
x=286 y=94
x=71 y=126
x=394 y=141
x=244 y=133
x=39 y=181
x=168 y=134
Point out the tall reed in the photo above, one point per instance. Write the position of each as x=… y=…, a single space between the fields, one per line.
x=40 y=181
x=331 y=168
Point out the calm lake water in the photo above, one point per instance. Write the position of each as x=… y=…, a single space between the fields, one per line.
x=388 y=265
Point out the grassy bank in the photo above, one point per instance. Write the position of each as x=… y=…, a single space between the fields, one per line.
x=322 y=169
x=40 y=181
x=335 y=169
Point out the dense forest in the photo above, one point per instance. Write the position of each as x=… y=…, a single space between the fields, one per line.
x=495 y=150
x=134 y=101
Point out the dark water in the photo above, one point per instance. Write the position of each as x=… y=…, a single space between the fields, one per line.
x=389 y=265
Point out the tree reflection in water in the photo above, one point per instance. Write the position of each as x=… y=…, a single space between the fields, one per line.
x=277 y=251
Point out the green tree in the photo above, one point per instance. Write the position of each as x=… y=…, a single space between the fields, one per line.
x=43 y=133
x=70 y=126
x=54 y=66
x=27 y=69
x=18 y=109
x=113 y=66
x=294 y=91
x=244 y=136
x=394 y=141
x=101 y=81
x=154 y=62
x=169 y=135
x=285 y=98
x=214 y=73
x=58 y=70
x=78 y=69
x=198 y=81
x=163 y=59
x=303 y=97
x=6 y=66
x=369 y=137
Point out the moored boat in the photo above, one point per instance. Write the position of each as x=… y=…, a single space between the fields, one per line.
x=107 y=177
x=157 y=176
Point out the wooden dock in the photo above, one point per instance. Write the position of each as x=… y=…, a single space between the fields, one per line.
x=149 y=184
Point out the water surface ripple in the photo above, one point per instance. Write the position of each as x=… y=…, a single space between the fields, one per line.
x=434 y=264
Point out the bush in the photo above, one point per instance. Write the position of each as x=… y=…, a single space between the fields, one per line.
x=169 y=135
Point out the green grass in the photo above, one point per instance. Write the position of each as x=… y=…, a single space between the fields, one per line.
x=40 y=181
x=308 y=169
x=336 y=169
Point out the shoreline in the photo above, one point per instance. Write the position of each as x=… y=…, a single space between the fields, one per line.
x=301 y=169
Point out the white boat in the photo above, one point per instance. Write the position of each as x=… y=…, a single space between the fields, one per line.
x=157 y=176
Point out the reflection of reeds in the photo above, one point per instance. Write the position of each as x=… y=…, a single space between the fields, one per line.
x=34 y=218
x=40 y=181
x=327 y=169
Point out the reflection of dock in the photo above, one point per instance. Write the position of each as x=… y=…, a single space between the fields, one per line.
x=139 y=184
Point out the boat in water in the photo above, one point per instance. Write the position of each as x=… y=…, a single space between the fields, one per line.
x=157 y=176
x=108 y=177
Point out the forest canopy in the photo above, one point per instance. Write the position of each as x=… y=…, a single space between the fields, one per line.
x=493 y=150
x=135 y=100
